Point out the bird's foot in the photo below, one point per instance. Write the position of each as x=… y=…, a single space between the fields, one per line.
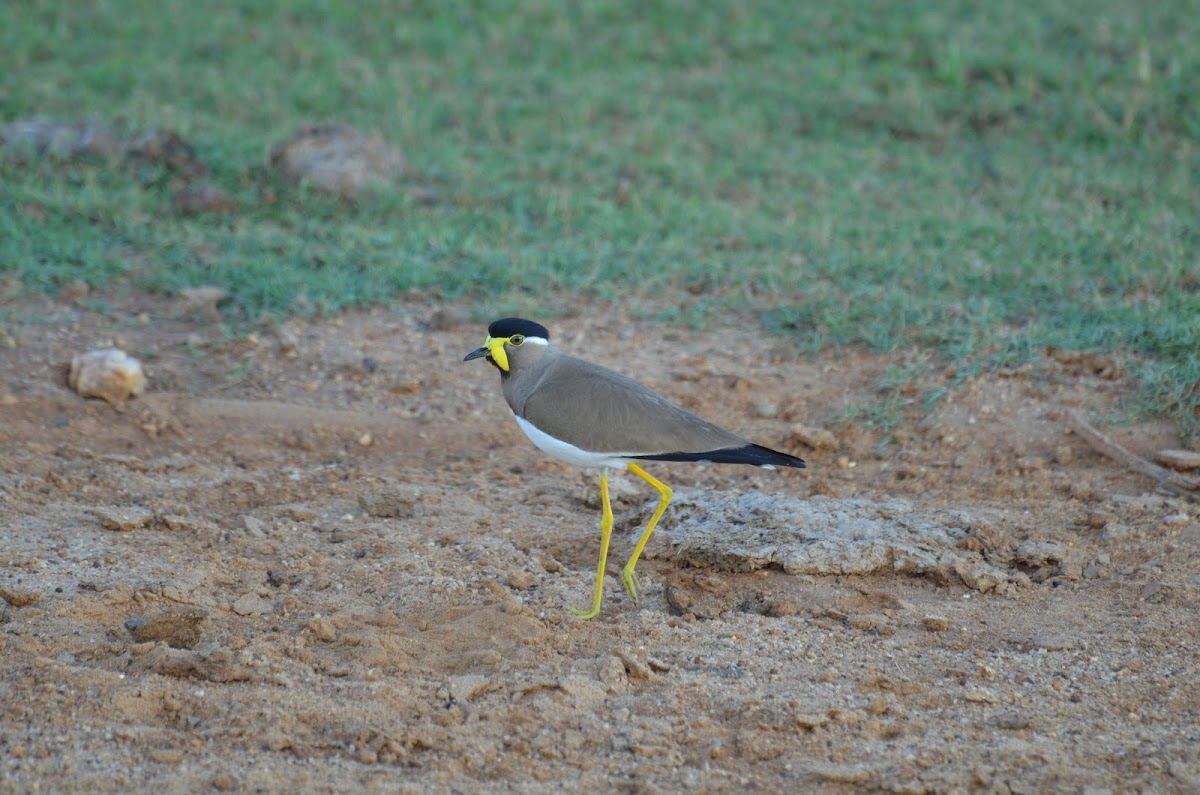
x=629 y=577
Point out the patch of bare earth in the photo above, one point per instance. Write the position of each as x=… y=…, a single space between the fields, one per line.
x=327 y=559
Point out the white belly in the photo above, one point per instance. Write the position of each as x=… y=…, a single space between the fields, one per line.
x=569 y=452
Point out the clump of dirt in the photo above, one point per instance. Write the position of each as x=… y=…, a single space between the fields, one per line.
x=346 y=569
x=337 y=159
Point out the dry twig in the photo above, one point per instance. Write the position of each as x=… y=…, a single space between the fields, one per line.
x=1172 y=481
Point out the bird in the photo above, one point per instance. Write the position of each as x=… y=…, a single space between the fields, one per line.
x=590 y=416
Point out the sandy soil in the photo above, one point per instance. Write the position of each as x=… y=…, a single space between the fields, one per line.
x=326 y=559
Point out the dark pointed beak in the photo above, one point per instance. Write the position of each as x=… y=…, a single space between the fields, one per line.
x=478 y=353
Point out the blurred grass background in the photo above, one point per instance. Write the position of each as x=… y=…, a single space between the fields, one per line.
x=976 y=180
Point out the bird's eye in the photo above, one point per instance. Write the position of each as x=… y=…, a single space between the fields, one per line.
x=516 y=339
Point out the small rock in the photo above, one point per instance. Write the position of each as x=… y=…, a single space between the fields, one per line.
x=634 y=668
x=700 y=596
x=166 y=756
x=1039 y=553
x=447 y=318
x=1012 y=721
x=289 y=342
x=816 y=438
x=59 y=139
x=870 y=622
x=468 y=687
x=323 y=628
x=1082 y=489
x=337 y=159
x=975 y=576
x=251 y=604
x=519 y=580
x=1182 y=460
x=1096 y=519
x=1052 y=642
x=75 y=292
x=202 y=196
x=128 y=518
x=587 y=693
x=935 y=623
x=766 y=411
x=774 y=606
x=1064 y=455
x=392 y=505
x=1177 y=519
x=1153 y=591
x=811 y=721
x=277 y=741
x=19 y=597
x=365 y=439
x=201 y=301
x=981 y=696
x=1030 y=463
x=179 y=627
x=300 y=513
x=164 y=147
x=109 y=374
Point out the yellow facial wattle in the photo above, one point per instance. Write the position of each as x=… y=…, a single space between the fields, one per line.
x=495 y=346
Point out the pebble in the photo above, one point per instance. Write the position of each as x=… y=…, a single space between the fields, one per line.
x=323 y=628
x=1182 y=460
x=19 y=597
x=811 y=721
x=336 y=158
x=277 y=741
x=447 y=318
x=110 y=374
x=75 y=292
x=634 y=668
x=1052 y=642
x=766 y=411
x=166 y=756
x=1012 y=721
x=179 y=627
x=816 y=438
x=1177 y=519
x=60 y=139
x=131 y=517
x=202 y=196
x=251 y=604
x=1082 y=489
x=390 y=505
x=700 y=602
x=870 y=622
x=467 y=687
x=519 y=580
x=200 y=301
x=935 y=623
x=1064 y=455
x=587 y=693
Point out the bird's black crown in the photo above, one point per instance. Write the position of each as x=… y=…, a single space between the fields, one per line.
x=508 y=326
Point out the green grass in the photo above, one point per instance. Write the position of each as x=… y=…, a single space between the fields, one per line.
x=980 y=180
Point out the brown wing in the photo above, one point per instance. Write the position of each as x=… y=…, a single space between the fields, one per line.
x=599 y=410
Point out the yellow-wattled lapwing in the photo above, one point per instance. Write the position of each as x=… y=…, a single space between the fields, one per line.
x=591 y=416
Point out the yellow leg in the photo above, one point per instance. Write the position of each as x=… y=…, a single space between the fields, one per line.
x=664 y=492
x=606 y=523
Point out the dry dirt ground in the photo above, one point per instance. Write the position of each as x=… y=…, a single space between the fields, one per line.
x=343 y=568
